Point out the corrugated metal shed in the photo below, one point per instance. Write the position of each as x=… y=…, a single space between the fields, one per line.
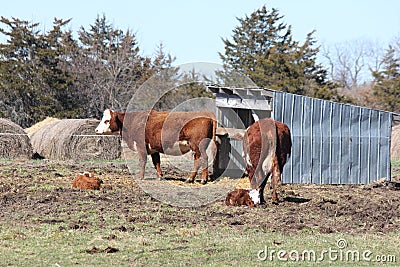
x=333 y=143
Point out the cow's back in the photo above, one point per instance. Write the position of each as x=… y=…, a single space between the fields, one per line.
x=259 y=145
x=189 y=126
x=158 y=128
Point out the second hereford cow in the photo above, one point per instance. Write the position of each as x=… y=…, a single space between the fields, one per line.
x=266 y=147
x=174 y=133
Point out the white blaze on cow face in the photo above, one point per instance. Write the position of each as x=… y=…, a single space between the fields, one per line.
x=104 y=125
x=87 y=174
x=255 y=196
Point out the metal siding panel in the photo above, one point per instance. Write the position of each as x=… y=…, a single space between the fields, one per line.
x=385 y=135
x=325 y=144
x=282 y=111
x=296 y=119
x=335 y=137
x=316 y=140
x=354 y=127
x=373 y=146
x=287 y=118
x=334 y=143
x=305 y=140
x=345 y=144
x=364 y=146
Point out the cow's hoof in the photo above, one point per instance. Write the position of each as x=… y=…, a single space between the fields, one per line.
x=203 y=182
x=189 y=181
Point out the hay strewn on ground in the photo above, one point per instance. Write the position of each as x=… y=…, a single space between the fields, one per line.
x=75 y=139
x=395 y=143
x=14 y=142
x=36 y=127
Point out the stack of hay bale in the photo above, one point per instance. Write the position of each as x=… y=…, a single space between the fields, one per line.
x=395 y=143
x=75 y=139
x=14 y=142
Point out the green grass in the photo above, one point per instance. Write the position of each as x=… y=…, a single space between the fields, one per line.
x=39 y=241
x=150 y=244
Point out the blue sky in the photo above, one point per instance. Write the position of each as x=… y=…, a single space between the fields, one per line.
x=192 y=30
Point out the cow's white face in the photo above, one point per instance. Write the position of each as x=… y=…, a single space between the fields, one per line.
x=255 y=196
x=104 y=125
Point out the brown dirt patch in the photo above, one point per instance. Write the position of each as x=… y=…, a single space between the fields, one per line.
x=36 y=192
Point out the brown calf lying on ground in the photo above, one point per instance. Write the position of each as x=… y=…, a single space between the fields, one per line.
x=243 y=197
x=86 y=180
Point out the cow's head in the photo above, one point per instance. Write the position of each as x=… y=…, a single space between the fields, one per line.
x=109 y=123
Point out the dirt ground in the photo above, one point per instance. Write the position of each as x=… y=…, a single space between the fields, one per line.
x=40 y=192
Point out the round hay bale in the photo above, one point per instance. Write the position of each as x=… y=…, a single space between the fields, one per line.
x=395 y=143
x=34 y=128
x=14 y=142
x=75 y=139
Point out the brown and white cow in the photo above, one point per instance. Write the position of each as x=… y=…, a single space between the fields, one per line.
x=266 y=148
x=243 y=197
x=154 y=132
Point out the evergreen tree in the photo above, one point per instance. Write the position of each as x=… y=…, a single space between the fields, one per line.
x=108 y=67
x=32 y=84
x=387 y=82
x=262 y=47
x=164 y=78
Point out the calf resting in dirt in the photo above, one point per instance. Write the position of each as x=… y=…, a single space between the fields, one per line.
x=243 y=197
x=86 y=180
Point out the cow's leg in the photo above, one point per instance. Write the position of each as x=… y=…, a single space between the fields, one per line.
x=275 y=181
x=261 y=181
x=195 y=167
x=142 y=153
x=204 y=160
x=142 y=165
x=156 y=161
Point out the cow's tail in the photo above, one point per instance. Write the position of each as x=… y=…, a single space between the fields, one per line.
x=214 y=134
x=268 y=157
x=214 y=142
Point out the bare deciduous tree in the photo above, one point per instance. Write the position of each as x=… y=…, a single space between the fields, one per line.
x=350 y=63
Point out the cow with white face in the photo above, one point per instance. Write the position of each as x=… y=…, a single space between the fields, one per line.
x=174 y=133
x=111 y=122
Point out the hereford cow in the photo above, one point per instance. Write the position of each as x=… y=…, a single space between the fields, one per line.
x=173 y=133
x=86 y=180
x=266 y=147
x=240 y=197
